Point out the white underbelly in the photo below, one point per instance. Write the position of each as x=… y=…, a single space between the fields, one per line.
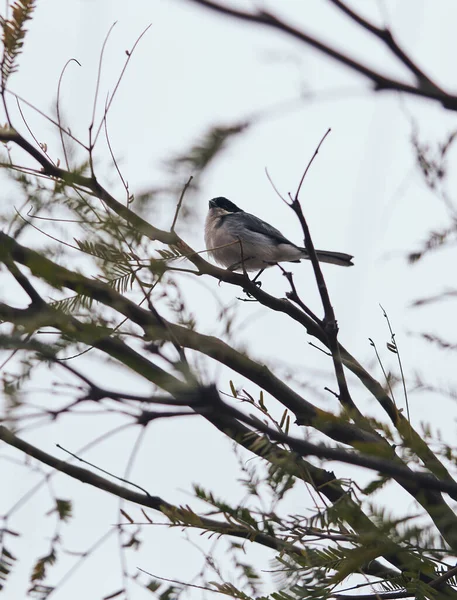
x=233 y=253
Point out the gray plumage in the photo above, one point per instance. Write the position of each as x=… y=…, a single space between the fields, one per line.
x=234 y=237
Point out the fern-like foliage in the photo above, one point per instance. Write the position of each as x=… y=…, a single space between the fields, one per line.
x=105 y=252
x=436 y=240
x=199 y=156
x=73 y=304
x=6 y=562
x=13 y=33
x=239 y=514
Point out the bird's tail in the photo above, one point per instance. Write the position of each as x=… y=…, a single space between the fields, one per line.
x=335 y=258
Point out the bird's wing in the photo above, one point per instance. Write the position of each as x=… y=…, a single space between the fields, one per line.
x=256 y=225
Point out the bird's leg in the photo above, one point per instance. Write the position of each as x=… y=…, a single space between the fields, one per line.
x=258 y=283
x=255 y=282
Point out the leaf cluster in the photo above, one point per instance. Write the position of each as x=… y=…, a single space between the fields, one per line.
x=13 y=33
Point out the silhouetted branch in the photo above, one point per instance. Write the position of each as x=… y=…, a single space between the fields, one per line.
x=175 y=513
x=385 y=35
x=277 y=304
x=329 y=323
x=424 y=87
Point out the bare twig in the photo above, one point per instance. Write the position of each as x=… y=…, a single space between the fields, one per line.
x=86 y=462
x=383 y=370
x=93 y=187
x=181 y=198
x=97 y=87
x=329 y=323
x=46 y=117
x=121 y=177
x=59 y=120
x=316 y=152
x=278 y=193
x=183 y=583
x=111 y=98
x=293 y=295
x=394 y=348
x=144 y=499
x=41 y=146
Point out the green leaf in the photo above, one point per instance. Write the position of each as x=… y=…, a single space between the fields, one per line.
x=63 y=508
x=13 y=33
x=170 y=593
x=39 y=570
x=153 y=585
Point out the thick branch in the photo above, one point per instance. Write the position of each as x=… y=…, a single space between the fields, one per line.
x=409 y=435
x=162 y=329
x=424 y=88
x=329 y=323
x=174 y=513
x=387 y=38
x=59 y=276
x=325 y=483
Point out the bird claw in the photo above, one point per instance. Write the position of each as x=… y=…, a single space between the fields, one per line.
x=248 y=293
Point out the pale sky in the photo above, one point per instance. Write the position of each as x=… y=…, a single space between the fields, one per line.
x=194 y=69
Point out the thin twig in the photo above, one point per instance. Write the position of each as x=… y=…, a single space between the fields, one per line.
x=181 y=198
x=397 y=352
x=329 y=322
x=129 y=56
x=278 y=193
x=154 y=502
x=86 y=462
x=97 y=87
x=47 y=117
x=320 y=349
x=121 y=177
x=36 y=487
x=48 y=234
x=293 y=295
x=316 y=152
x=41 y=146
x=178 y=347
x=183 y=583
x=84 y=556
x=297 y=404
x=383 y=370
x=59 y=120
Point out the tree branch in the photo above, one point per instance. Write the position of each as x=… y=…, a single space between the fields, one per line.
x=329 y=323
x=409 y=435
x=385 y=35
x=173 y=512
x=162 y=329
x=425 y=87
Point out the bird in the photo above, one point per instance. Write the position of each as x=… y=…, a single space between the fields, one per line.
x=238 y=240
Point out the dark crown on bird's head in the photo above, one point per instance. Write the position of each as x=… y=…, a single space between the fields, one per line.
x=225 y=204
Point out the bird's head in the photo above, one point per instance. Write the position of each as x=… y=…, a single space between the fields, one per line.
x=224 y=205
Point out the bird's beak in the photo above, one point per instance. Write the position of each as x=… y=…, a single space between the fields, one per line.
x=211 y=204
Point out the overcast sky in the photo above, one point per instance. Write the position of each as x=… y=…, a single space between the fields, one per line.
x=194 y=69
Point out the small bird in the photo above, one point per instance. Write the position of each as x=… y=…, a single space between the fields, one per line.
x=238 y=240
